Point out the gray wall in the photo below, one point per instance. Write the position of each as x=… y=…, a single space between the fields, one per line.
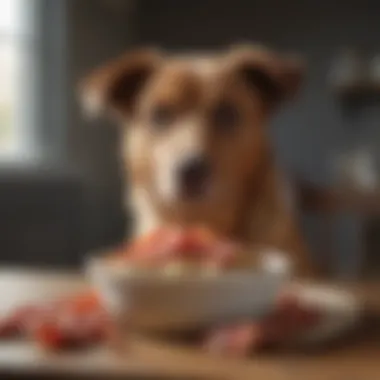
x=95 y=35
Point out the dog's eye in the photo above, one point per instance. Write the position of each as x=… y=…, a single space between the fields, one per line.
x=162 y=116
x=225 y=117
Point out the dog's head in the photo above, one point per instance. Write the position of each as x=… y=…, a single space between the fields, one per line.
x=195 y=126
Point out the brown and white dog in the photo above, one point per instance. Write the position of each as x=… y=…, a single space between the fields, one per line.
x=195 y=142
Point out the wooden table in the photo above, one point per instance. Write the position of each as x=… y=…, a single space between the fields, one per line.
x=358 y=358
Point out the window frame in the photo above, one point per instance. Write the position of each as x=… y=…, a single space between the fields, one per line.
x=45 y=102
x=52 y=108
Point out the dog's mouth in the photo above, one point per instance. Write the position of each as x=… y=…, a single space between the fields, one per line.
x=196 y=189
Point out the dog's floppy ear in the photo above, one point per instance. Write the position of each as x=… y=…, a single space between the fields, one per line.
x=276 y=77
x=114 y=87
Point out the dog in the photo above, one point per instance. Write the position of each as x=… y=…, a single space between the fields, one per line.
x=195 y=142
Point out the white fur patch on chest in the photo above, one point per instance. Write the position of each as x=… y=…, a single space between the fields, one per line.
x=146 y=219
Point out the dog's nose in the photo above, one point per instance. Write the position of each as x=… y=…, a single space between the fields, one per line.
x=193 y=176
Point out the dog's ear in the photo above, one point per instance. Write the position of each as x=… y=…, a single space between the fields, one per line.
x=276 y=77
x=114 y=87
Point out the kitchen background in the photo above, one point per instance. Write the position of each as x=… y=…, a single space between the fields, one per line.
x=65 y=200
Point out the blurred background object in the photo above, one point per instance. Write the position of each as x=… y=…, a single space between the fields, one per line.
x=60 y=193
x=349 y=71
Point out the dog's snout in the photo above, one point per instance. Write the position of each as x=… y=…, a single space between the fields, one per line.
x=193 y=175
x=195 y=169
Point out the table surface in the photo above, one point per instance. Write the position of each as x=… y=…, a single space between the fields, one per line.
x=356 y=358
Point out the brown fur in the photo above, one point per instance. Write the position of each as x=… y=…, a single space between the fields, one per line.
x=249 y=204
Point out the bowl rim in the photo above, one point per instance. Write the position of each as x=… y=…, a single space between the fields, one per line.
x=96 y=267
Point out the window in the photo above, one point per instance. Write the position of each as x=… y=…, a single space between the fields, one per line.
x=17 y=77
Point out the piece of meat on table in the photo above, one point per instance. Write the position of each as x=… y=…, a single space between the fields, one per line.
x=26 y=320
x=289 y=319
x=72 y=330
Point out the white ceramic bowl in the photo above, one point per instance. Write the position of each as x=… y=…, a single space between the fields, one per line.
x=152 y=300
